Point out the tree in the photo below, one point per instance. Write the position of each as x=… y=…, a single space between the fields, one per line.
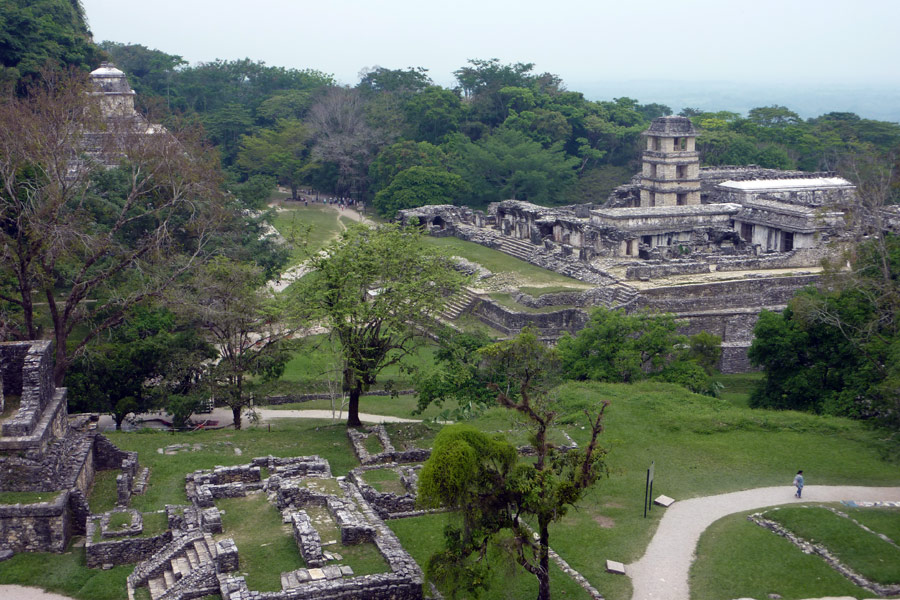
x=418 y=186
x=229 y=302
x=510 y=165
x=618 y=347
x=374 y=289
x=282 y=152
x=142 y=362
x=433 y=113
x=458 y=378
x=380 y=79
x=96 y=215
x=344 y=137
x=492 y=491
x=35 y=34
x=401 y=156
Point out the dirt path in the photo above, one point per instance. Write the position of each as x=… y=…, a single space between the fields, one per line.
x=18 y=592
x=223 y=416
x=662 y=573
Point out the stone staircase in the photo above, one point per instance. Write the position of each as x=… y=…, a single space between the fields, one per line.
x=521 y=249
x=458 y=304
x=623 y=295
x=184 y=568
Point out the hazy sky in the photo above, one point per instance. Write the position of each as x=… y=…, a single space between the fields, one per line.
x=764 y=41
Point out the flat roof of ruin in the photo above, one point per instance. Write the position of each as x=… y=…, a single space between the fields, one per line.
x=668 y=211
x=812 y=183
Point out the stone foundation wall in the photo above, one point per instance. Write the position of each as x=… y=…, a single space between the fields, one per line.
x=747 y=293
x=307 y=539
x=550 y=324
x=39 y=527
x=120 y=551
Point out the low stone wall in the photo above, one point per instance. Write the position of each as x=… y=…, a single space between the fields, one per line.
x=354 y=528
x=38 y=527
x=646 y=271
x=122 y=551
x=389 y=453
x=307 y=539
x=386 y=504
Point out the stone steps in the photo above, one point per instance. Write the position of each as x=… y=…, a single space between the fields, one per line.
x=517 y=248
x=182 y=561
x=458 y=304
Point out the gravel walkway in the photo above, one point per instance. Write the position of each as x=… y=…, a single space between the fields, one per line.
x=662 y=573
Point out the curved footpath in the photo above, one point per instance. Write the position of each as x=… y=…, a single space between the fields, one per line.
x=662 y=573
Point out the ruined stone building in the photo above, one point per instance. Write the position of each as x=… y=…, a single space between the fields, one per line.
x=714 y=245
x=43 y=449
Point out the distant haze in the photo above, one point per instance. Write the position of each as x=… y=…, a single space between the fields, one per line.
x=805 y=54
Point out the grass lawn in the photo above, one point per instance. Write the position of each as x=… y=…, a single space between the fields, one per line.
x=266 y=546
x=499 y=262
x=104 y=493
x=872 y=557
x=739 y=559
x=316 y=224
x=285 y=437
x=737 y=387
x=66 y=574
x=885 y=521
x=27 y=497
x=311 y=365
x=385 y=480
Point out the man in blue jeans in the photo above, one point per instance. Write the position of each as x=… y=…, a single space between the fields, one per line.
x=798 y=483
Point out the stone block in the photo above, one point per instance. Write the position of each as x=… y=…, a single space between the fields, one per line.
x=615 y=567
x=664 y=501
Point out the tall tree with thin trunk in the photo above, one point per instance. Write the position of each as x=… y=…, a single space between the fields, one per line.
x=245 y=321
x=375 y=289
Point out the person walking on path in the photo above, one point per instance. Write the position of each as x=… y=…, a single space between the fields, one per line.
x=798 y=483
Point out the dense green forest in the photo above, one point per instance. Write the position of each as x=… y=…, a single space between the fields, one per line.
x=396 y=138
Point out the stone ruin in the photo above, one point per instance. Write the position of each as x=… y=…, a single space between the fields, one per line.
x=43 y=449
x=706 y=244
x=193 y=563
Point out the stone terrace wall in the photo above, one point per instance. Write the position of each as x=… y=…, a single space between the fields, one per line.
x=39 y=527
x=756 y=293
x=549 y=324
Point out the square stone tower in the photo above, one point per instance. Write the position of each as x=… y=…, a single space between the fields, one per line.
x=671 y=167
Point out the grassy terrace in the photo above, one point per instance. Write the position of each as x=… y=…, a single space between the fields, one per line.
x=385 y=480
x=315 y=225
x=498 y=262
x=27 y=497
